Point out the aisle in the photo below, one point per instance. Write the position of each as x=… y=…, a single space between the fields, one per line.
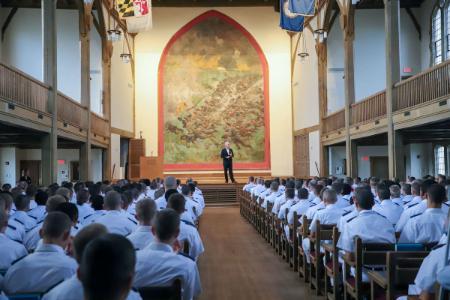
x=239 y=264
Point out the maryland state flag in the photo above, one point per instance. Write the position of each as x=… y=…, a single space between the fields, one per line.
x=288 y=20
x=133 y=8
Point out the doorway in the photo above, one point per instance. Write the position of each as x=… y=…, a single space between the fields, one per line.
x=74 y=170
x=379 y=166
x=31 y=168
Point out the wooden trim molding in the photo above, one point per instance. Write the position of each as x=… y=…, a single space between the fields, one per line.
x=121 y=132
x=306 y=130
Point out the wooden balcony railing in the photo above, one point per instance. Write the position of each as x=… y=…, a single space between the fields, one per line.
x=369 y=109
x=429 y=85
x=334 y=121
x=71 y=112
x=99 y=125
x=20 y=88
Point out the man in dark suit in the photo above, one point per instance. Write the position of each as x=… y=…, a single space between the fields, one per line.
x=227 y=155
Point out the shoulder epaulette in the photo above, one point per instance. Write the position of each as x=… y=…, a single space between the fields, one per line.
x=396 y=203
x=87 y=216
x=12 y=227
x=380 y=215
x=186 y=255
x=76 y=227
x=412 y=205
x=413 y=216
x=313 y=204
x=132 y=220
x=41 y=221
x=445 y=203
x=188 y=223
x=438 y=246
x=33 y=217
x=351 y=219
x=18 y=221
x=19 y=259
x=321 y=208
x=346 y=213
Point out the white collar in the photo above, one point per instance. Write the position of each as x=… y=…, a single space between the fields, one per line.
x=143 y=228
x=433 y=211
x=158 y=246
x=49 y=248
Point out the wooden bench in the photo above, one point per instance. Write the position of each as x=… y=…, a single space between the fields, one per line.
x=332 y=268
x=292 y=255
x=303 y=232
x=172 y=292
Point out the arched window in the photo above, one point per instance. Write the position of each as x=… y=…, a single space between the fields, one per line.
x=439 y=159
x=436 y=36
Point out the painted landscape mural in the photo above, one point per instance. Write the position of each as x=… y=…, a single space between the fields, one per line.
x=213 y=90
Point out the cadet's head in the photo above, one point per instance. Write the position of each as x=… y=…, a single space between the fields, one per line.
x=424 y=187
x=84 y=236
x=97 y=202
x=170 y=183
x=267 y=183
x=22 y=202
x=251 y=179
x=186 y=190
x=303 y=193
x=70 y=209
x=395 y=191
x=415 y=188
x=56 y=229
x=318 y=189
x=145 y=211
x=31 y=191
x=274 y=186
x=6 y=201
x=53 y=202
x=113 y=201
x=166 y=226
x=329 y=196
x=6 y=187
x=290 y=193
x=363 y=199
x=383 y=192
x=3 y=220
x=337 y=187
x=406 y=189
x=65 y=192
x=41 y=197
x=107 y=268
x=177 y=203
x=82 y=196
x=436 y=194
x=374 y=181
x=127 y=199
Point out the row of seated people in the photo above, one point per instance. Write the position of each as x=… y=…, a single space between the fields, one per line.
x=305 y=220
x=44 y=232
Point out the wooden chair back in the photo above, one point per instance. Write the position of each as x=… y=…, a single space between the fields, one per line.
x=172 y=292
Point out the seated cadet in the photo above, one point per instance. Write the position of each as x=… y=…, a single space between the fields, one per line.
x=396 y=195
x=369 y=225
x=405 y=193
x=30 y=192
x=266 y=192
x=84 y=209
x=48 y=265
x=127 y=200
x=313 y=208
x=347 y=192
x=341 y=201
x=326 y=216
x=10 y=250
x=193 y=208
x=107 y=268
x=114 y=219
x=33 y=237
x=170 y=186
x=427 y=227
x=159 y=265
x=392 y=211
x=76 y=188
x=274 y=193
x=300 y=207
x=188 y=231
x=198 y=195
x=142 y=235
x=290 y=201
x=97 y=206
x=65 y=192
x=250 y=184
x=15 y=231
x=70 y=209
x=415 y=193
x=374 y=181
x=22 y=204
x=416 y=208
x=39 y=212
x=258 y=189
x=280 y=200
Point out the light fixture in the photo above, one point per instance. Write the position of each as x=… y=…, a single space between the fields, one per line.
x=88 y=1
x=320 y=35
x=304 y=52
x=125 y=56
x=114 y=35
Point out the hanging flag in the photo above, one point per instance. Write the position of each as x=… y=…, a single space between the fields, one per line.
x=302 y=7
x=288 y=20
x=137 y=14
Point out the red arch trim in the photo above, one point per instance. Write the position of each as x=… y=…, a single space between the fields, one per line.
x=265 y=165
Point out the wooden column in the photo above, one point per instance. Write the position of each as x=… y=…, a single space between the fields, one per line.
x=85 y=21
x=391 y=25
x=348 y=27
x=321 y=49
x=50 y=142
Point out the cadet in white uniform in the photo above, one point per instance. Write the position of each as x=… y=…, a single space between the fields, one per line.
x=274 y=193
x=39 y=211
x=396 y=195
x=159 y=265
x=114 y=219
x=341 y=202
x=427 y=227
x=392 y=211
x=15 y=230
x=280 y=200
x=188 y=232
x=250 y=185
x=22 y=204
x=142 y=235
x=405 y=193
x=290 y=201
x=193 y=208
x=84 y=209
x=49 y=264
x=97 y=206
x=9 y=249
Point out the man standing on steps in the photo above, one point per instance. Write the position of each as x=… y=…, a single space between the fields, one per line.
x=227 y=156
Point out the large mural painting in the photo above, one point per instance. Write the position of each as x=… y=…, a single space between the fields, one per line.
x=213 y=85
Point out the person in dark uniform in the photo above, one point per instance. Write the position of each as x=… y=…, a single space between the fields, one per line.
x=227 y=156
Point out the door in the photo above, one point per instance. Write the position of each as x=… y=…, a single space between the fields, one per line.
x=74 y=170
x=136 y=150
x=379 y=167
x=31 y=168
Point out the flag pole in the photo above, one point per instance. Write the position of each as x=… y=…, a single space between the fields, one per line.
x=293 y=54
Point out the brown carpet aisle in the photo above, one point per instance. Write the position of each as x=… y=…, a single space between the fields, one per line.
x=239 y=264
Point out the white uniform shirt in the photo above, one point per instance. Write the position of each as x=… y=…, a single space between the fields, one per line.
x=424 y=228
x=249 y=186
x=83 y=211
x=342 y=201
x=38 y=212
x=398 y=201
x=286 y=205
x=280 y=200
x=313 y=209
x=141 y=237
x=192 y=208
x=15 y=231
x=370 y=226
x=258 y=189
x=92 y=217
x=39 y=271
x=316 y=200
x=271 y=198
x=190 y=233
x=161 y=202
x=350 y=212
x=10 y=251
x=24 y=219
x=301 y=207
x=390 y=210
x=72 y=289
x=329 y=215
x=158 y=265
x=116 y=222
x=427 y=276
x=32 y=237
x=412 y=210
x=406 y=199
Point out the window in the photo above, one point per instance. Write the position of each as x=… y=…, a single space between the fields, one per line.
x=447 y=34
x=440 y=32
x=436 y=37
x=440 y=160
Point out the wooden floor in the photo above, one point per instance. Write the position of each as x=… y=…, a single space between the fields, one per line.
x=239 y=264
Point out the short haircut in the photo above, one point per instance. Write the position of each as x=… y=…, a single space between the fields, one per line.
x=191 y=186
x=395 y=191
x=406 y=187
x=346 y=189
x=55 y=225
x=329 y=196
x=303 y=193
x=177 y=203
x=364 y=197
x=22 y=202
x=97 y=202
x=79 y=186
x=337 y=187
x=290 y=193
x=383 y=192
x=318 y=189
x=107 y=267
x=170 y=183
x=70 y=209
x=112 y=200
x=185 y=190
x=53 y=202
x=3 y=219
x=146 y=210
x=274 y=185
x=31 y=191
x=41 y=197
x=6 y=201
x=267 y=183
x=95 y=189
x=251 y=179
x=84 y=236
x=437 y=193
x=425 y=185
x=82 y=197
x=6 y=187
x=65 y=192
x=166 y=224
x=415 y=187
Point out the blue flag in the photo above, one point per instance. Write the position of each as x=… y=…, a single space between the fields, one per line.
x=302 y=7
x=288 y=20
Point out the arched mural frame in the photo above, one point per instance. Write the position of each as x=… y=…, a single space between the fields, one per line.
x=265 y=165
